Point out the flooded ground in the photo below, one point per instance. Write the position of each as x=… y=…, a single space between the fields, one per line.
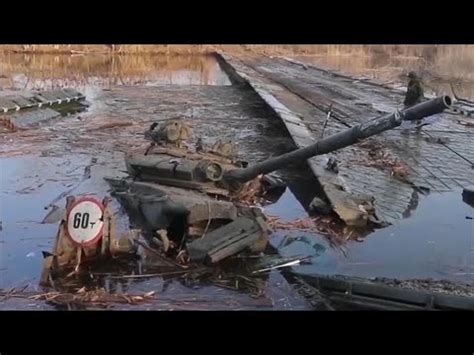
x=439 y=66
x=72 y=154
x=437 y=242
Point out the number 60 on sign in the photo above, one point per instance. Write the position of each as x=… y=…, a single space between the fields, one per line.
x=84 y=221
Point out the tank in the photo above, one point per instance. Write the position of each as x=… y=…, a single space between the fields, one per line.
x=178 y=194
x=189 y=192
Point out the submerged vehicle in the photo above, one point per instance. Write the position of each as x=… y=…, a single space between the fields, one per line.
x=204 y=199
x=181 y=192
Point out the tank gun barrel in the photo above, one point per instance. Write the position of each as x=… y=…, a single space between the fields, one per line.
x=342 y=139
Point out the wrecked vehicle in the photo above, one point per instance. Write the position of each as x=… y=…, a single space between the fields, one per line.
x=179 y=196
x=201 y=202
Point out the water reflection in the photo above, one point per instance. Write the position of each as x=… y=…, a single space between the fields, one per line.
x=437 y=242
x=46 y=71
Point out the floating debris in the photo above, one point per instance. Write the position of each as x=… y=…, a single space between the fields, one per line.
x=54 y=216
x=294 y=262
x=381 y=158
x=81 y=298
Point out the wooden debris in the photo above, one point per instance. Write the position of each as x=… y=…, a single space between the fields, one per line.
x=251 y=192
x=383 y=159
x=329 y=226
x=7 y=125
x=169 y=273
x=82 y=297
x=306 y=223
x=54 y=216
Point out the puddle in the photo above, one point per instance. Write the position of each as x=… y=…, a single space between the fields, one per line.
x=287 y=206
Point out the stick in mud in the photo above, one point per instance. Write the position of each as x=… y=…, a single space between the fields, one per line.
x=180 y=272
x=326 y=121
x=287 y=264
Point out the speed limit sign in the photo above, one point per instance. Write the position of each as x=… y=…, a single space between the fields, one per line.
x=85 y=221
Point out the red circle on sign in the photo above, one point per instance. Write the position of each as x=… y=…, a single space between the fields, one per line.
x=96 y=238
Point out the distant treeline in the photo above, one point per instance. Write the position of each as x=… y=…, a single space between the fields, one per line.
x=407 y=50
x=444 y=61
